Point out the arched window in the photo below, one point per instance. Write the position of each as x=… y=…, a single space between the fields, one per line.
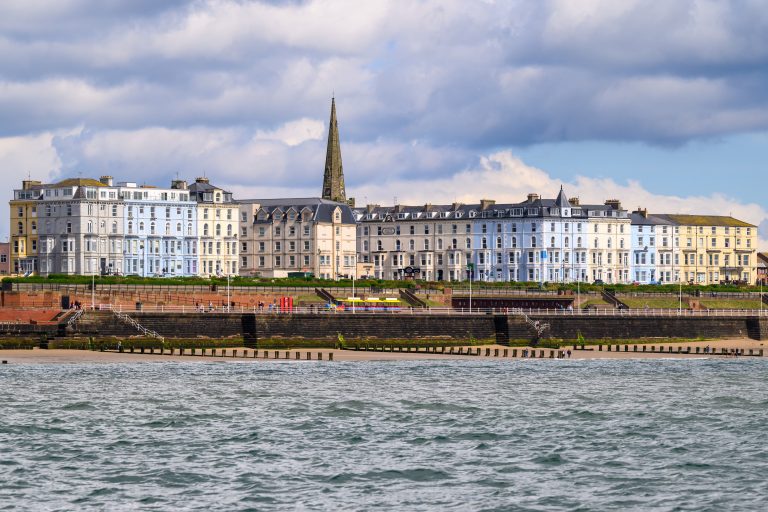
x=567 y=242
x=218 y=229
x=229 y=229
x=205 y=229
x=397 y=245
x=514 y=241
x=468 y=243
x=151 y=228
x=189 y=229
x=103 y=226
x=578 y=242
x=141 y=227
x=454 y=244
x=552 y=242
x=167 y=228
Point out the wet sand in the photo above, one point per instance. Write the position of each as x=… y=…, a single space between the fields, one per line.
x=83 y=356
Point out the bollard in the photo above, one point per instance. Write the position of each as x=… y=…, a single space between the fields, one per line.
x=495 y=352
x=287 y=355
x=298 y=355
x=487 y=352
x=309 y=356
x=514 y=352
x=599 y=348
x=330 y=356
x=551 y=354
x=506 y=352
x=255 y=354
x=461 y=350
x=277 y=354
x=478 y=351
x=319 y=356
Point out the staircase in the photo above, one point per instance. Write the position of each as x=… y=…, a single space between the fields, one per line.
x=325 y=295
x=517 y=328
x=411 y=298
x=136 y=325
x=609 y=296
x=757 y=329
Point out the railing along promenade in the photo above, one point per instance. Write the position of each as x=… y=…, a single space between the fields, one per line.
x=651 y=312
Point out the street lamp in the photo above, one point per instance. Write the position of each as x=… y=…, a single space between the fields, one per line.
x=470 y=269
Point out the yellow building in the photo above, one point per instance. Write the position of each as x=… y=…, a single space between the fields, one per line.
x=715 y=249
x=23 y=228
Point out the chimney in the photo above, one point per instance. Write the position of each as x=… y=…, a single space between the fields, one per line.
x=179 y=184
x=533 y=197
x=456 y=206
x=370 y=207
x=28 y=184
x=487 y=203
x=574 y=201
x=351 y=202
x=106 y=180
x=613 y=203
x=202 y=179
x=642 y=212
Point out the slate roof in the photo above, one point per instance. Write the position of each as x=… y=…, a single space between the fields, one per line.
x=706 y=220
x=80 y=182
x=322 y=209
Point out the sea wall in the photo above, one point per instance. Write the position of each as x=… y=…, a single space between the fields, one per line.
x=501 y=328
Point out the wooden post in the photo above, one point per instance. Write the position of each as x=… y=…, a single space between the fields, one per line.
x=495 y=352
x=309 y=356
x=505 y=353
x=330 y=356
x=298 y=355
x=487 y=352
x=319 y=356
x=277 y=354
x=514 y=352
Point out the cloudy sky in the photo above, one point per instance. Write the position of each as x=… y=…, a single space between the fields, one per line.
x=660 y=104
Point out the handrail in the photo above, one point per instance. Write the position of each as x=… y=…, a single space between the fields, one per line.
x=147 y=332
x=75 y=317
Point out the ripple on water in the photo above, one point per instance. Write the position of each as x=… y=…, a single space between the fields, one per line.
x=484 y=435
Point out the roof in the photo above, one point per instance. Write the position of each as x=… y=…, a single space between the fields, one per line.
x=322 y=209
x=80 y=182
x=706 y=220
x=650 y=220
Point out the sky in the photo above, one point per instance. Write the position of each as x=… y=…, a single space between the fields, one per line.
x=663 y=105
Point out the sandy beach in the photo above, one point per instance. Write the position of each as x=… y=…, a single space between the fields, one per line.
x=83 y=356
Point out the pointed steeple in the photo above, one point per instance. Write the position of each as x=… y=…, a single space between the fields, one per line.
x=562 y=199
x=333 y=179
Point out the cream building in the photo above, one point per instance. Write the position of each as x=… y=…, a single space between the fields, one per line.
x=217 y=227
x=281 y=236
x=24 y=228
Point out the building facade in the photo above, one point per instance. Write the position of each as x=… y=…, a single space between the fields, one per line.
x=160 y=227
x=282 y=236
x=655 y=249
x=5 y=258
x=24 y=228
x=217 y=229
x=554 y=240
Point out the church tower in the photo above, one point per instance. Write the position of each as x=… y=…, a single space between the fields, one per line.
x=333 y=179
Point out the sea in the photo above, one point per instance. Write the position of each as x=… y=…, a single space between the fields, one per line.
x=408 y=435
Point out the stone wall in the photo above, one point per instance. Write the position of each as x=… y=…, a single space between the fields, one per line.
x=627 y=327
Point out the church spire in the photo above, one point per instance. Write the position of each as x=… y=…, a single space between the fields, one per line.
x=333 y=179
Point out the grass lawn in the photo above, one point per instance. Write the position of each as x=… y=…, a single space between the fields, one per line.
x=594 y=302
x=653 y=302
x=731 y=304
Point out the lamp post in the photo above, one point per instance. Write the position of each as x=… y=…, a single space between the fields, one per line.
x=680 y=297
x=228 y=301
x=93 y=292
x=470 y=269
x=354 y=274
